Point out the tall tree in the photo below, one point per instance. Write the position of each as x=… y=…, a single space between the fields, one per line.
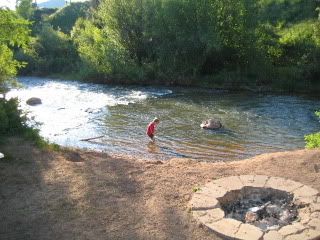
x=14 y=32
x=25 y=8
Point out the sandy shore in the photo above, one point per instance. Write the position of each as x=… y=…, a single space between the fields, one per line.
x=89 y=195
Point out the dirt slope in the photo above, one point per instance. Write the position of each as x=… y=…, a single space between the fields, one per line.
x=89 y=195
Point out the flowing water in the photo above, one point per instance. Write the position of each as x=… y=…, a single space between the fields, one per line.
x=253 y=124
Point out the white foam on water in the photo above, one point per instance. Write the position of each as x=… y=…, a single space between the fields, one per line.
x=71 y=111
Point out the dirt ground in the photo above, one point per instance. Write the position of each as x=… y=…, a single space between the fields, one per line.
x=89 y=195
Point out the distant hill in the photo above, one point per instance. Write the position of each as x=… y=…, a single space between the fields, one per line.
x=53 y=4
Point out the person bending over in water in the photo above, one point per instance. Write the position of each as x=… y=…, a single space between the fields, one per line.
x=151 y=129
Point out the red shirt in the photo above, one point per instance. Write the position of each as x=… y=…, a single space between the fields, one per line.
x=151 y=128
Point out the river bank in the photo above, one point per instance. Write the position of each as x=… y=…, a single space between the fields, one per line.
x=199 y=84
x=75 y=194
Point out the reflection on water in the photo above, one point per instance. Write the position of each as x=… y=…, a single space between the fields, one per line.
x=253 y=124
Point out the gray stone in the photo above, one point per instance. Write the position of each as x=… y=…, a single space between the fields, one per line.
x=211 y=124
x=33 y=101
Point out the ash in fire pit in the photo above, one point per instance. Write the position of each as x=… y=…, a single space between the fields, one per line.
x=265 y=208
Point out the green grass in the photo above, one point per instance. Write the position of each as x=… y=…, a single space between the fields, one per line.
x=312 y=140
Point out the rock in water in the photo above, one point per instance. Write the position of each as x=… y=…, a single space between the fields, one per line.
x=34 y=101
x=211 y=124
x=1 y=155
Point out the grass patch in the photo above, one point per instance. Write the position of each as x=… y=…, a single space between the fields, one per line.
x=33 y=135
x=312 y=140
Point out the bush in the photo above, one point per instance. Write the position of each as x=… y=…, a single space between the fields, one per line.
x=14 y=123
x=313 y=140
x=11 y=119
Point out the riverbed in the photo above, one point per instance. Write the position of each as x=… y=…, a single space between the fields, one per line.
x=252 y=123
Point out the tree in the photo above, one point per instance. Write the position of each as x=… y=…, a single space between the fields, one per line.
x=65 y=18
x=25 y=8
x=14 y=32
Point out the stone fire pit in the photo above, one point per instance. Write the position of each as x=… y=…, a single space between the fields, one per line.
x=258 y=207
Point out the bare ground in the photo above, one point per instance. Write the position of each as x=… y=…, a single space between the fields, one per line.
x=89 y=195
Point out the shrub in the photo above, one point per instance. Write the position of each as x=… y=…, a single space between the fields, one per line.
x=313 y=140
x=14 y=123
x=11 y=119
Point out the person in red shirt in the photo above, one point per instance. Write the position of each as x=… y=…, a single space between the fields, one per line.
x=151 y=129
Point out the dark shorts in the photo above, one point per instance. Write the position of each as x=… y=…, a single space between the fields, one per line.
x=151 y=135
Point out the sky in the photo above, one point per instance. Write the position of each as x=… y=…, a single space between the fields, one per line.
x=12 y=3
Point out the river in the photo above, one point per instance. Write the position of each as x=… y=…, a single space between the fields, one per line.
x=252 y=123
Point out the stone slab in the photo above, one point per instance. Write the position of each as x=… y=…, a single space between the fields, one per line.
x=272 y=235
x=291 y=229
x=246 y=180
x=213 y=190
x=308 y=234
x=282 y=184
x=202 y=202
x=315 y=207
x=247 y=231
x=226 y=227
x=229 y=183
x=314 y=224
x=305 y=200
x=305 y=191
x=209 y=216
x=259 y=181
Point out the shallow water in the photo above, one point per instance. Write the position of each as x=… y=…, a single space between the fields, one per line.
x=253 y=124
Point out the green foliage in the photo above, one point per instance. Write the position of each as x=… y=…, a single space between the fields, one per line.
x=13 y=123
x=185 y=35
x=50 y=52
x=39 y=18
x=285 y=12
x=313 y=140
x=14 y=32
x=10 y=117
x=301 y=50
x=230 y=43
x=24 y=8
x=65 y=18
